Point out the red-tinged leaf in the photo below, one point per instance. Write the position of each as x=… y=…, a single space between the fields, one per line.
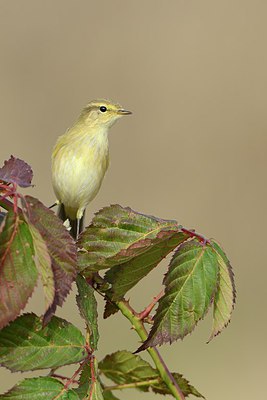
x=60 y=245
x=16 y=171
x=225 y=296
x=18 y=274
x=117 y=234
x=129 y=243
x=191 y=283
x=44 y=265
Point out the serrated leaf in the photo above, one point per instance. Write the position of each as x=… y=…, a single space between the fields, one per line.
x=124 y=367
x=18 y=274
x=127 y=275
x=88 y=309
x=16 y=171
x=42 y=388
x=25 y=345
x=190 y=283
x=60 y=245
x=44 y=265
x=225 y=296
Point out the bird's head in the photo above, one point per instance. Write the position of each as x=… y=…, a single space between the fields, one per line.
x=102 y=113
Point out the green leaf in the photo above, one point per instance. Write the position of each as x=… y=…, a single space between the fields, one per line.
x=61 y=248
x=226 y=293
x=124 y=367
x=25 y=345
x=42 y=388
x=18 y=274
x=44 y=264
x=129 y=243
x=88 y=309
x=190 y=283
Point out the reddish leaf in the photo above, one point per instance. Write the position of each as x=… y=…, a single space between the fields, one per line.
x=61 y=248
x=16 y=171
x=18 y=274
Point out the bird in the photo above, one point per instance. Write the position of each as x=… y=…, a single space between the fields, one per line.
x=80 y=159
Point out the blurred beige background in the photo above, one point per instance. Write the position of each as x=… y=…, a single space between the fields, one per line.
x=194 y=74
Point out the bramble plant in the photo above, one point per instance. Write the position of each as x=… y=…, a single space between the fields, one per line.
x=126 y=245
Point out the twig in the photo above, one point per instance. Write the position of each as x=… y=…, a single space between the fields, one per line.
x=145 y=313
x=62 y=377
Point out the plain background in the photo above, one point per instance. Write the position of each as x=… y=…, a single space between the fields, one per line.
x=194 y=74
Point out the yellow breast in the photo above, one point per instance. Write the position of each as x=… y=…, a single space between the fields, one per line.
x=79 y=163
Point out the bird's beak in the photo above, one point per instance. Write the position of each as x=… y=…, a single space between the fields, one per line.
x=124 y=112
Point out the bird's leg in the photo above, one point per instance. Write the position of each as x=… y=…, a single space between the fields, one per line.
x=78 y=228
x=55 y=204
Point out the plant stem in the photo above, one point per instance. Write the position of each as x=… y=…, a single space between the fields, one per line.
x=138 y=325
x=131 y=385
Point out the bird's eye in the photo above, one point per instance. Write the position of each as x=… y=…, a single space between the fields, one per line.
x=103 y=109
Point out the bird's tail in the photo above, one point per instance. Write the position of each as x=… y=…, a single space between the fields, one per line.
x=75 y=225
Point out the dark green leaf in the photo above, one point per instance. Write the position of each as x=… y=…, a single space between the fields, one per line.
x=18 y=274
x=225 y=296
x=42 y=388
x=61 y=248
x=190 y=283
x=88 y=308
x=124 y=367
x=25 y=345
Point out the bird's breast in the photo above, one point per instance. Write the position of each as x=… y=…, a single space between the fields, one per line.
x=78 y=168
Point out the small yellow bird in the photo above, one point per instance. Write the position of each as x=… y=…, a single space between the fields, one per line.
x=80 y=159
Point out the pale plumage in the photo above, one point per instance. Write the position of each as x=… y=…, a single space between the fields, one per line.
x=81 y=156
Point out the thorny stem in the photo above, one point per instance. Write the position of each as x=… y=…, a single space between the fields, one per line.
x=145 y=313
x=138 y=325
